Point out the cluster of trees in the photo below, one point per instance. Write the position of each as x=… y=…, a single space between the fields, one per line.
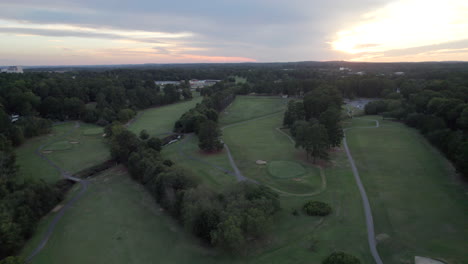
x=438 y=108
x=94 y=97
x=22 y=202
x=230 y=219
x=203 y=118
x=315 y=121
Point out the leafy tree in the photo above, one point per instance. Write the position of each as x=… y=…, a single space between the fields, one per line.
x=154 y=143
x=208 y=136
x=144 y=134
x=313 y=138
x=331 y=120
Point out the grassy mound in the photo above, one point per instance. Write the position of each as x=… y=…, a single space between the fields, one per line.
x=93 y=131
x=59 y=145
x=285 y=169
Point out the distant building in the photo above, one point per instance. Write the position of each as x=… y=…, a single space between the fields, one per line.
x=344 y=69
x=164 y=83
x=399 y=73
x=359 y=73
x=13 y=69
x=194 y=84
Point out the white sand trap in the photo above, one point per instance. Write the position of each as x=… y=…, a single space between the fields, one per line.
x=261 y=162
x=57 y=208
x=47 y=151
x=423 y=260
x=103 y=135
x=74 y=142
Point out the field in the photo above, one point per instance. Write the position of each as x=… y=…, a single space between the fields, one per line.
x=418 y=205
x=248 y=107
x=116 y=221
x=67 y=146
x=160 y=120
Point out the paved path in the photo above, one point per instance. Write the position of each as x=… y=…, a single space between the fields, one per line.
x=65 y=174
x=365 y=200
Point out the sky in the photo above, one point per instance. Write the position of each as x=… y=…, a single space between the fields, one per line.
x=88 y=32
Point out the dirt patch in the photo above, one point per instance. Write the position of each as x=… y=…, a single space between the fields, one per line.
x=73 y=142
x=57 y=208
x=261 y=162
x=297 y=179
x=424 y=260
x=47 y=151
x=382 y=237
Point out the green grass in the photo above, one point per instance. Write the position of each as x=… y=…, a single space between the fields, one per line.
x=248 y=107
x=93 y=131
x=117 y=221
x=59 y=145
x=413 y=193
x=259 y=140
x=160 y=120
x=89 y=151
x=207 y=174
x=285 y=169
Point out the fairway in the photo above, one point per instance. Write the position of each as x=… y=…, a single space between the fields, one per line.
x=247 y=107
x=285 y=169
x=160 y=120
x=419 y=208
x=117 y=221
x=67 y=146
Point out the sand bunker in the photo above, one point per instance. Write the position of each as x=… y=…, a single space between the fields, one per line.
x=261 y=162
x=47 y=151
x=297 y=179
x=74 y=142
x=423 y=260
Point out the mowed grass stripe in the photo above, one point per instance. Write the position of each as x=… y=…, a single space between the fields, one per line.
x=160 y=120
x=413 y=194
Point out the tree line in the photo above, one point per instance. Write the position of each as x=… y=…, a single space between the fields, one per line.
x=232 y=219
x=438 y=109
x=203 y=118
x=22 y=202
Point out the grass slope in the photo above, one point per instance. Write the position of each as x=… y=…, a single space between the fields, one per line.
x=248 y=107
x=414 y=197
x=160 y=120
x=90 y=150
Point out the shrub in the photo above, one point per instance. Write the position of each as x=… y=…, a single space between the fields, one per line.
x=341 y=258
x=317 y=208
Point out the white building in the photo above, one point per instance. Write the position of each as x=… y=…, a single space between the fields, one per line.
x=13 y=69
x=164 y=83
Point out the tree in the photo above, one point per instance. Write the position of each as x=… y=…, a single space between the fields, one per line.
x=341 y=258
x=317 y=208
x=331 y=120
x=208 y=136
x=312 y=137
x=144 y=134
x=154 y=143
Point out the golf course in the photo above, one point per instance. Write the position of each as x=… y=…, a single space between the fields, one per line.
x=418 y=207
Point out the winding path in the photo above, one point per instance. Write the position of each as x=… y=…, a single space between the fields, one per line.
x=365 y=200
x=65 y=174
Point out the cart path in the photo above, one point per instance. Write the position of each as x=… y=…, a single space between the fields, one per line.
x=365 y=200
x=65 y=174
